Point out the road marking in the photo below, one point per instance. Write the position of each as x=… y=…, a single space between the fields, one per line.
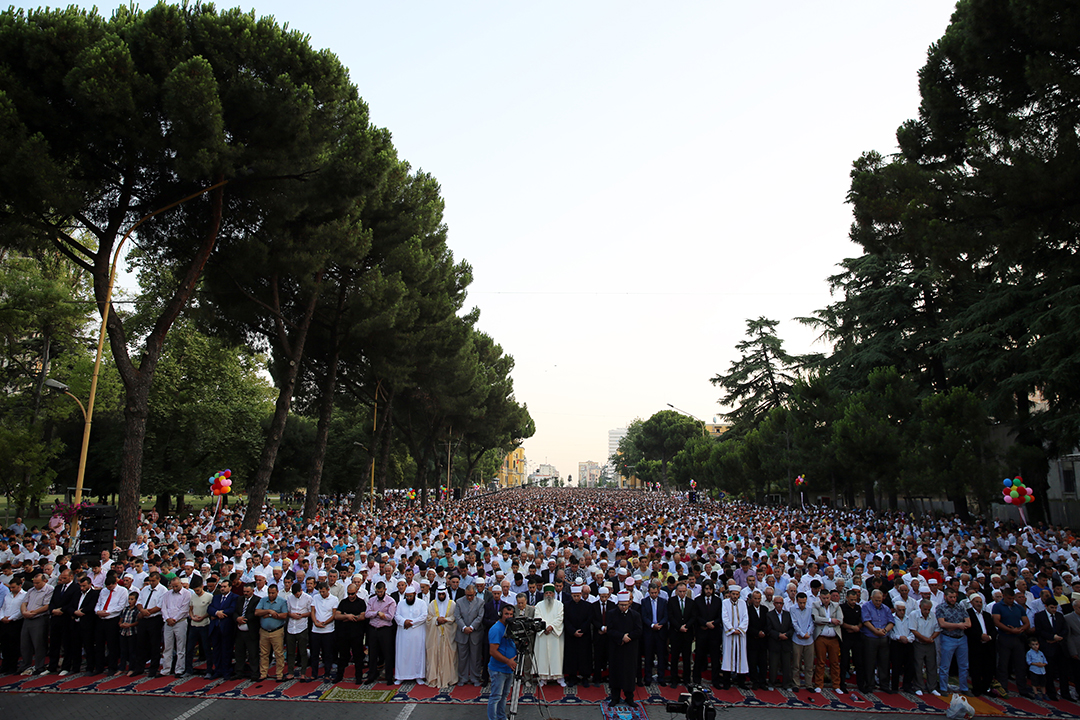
x=201 y=706
x=403 y=715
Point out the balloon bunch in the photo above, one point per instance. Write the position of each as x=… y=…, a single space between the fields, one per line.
x=221 y=482
x=412 y=494
x=476 y=486
x=800 y=481
x=693 y=483
x=1016 y=492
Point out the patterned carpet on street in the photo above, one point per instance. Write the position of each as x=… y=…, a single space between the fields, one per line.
x=348 y=691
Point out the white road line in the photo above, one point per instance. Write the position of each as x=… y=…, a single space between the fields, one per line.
x=403 y=715
x=201 y=706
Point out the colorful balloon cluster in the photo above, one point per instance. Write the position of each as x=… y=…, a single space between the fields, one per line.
x=1016 y=492
x=221 y=482
x=693 y=483
x=412 y=494
x=800 y=481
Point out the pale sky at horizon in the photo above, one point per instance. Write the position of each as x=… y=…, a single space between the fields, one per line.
x=632 y=182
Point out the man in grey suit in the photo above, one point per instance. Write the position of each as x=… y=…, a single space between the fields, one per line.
x=469 y=617
x=781 y=631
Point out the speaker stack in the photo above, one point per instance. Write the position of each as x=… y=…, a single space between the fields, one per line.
x=97 y=528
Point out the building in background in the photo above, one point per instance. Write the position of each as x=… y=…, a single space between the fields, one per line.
x=545 y=475
x=588 y=473
x=614 y=437
x=717 y=428
x=512 y=471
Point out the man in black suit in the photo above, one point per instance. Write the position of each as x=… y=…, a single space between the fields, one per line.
x=601 y=614
x=61 y=632
x=654 y=620
x=681 y=622
x=624 y=633
x=757 y=641
x=83 y=622
x=781 y=632
x=982 y=657
x=247 y=635
x=1051 y=630
x=709 y=635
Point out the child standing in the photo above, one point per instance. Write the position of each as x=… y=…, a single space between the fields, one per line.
x=1036 y=669
x=129 y=620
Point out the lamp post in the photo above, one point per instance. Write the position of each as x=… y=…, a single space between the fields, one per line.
x=704 y=430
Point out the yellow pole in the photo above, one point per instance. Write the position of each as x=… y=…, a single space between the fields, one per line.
x=88 y=411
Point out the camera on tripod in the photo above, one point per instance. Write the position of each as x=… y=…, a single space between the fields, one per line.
x=695 y=704
x=522 y=630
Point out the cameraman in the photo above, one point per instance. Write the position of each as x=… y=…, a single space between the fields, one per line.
x=501 y=665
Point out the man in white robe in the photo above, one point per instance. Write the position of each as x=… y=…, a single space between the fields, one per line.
x=410 y=652
x=736 y=619
x=548 y=653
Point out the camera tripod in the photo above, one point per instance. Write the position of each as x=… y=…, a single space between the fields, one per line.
x=522 y=657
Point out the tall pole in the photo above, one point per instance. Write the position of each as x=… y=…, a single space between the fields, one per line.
x=88 y=411
x=374 y=430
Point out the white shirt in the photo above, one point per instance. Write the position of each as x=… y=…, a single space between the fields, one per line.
x=12 y=607
x=149 y=597
x=300 y=604
x=324 y=612
x=117 y=600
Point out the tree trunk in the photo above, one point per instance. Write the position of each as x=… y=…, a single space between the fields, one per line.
x=137 y=381
x=868 y=490
x=388 y=441
x=163 y=504
x=179 y=502
x=322 y=433
x=261 y=481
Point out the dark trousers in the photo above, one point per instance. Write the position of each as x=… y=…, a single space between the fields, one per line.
x=982 y=661
x=350 y=648
x=1011 y=655
x=150 y=635
x=59 y=641
x=851 y=657
x=757 y=656
x=1057 y=669
x=197 y=636
x=680 y=651
x=709 y=646
x=221 y=652
x=107 y=645
x=599 y=655
x=655 y=647
x=380 y=650
x=875 y=657
x=780 y=663
x=902 y=660
x=10 y=632
x=82 y=643
x=247 y=653
x=129 y=652
x=322 y=647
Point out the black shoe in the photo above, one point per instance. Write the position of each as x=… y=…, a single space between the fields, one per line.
x=640 y=683
x=1052 y=698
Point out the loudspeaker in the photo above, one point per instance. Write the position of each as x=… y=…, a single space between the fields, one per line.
x=96 y=535
x=97 y=517
x=457 y=493
x=94 y=549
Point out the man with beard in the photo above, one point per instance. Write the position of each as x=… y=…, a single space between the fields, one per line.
x=708 y=622
x=409 y=645
x=578 y=638
x=441 y=650
x=381 y=610
x=757 y=641
x=349 y=633
x=548 y=657
x=735 y=621
x=624 y=632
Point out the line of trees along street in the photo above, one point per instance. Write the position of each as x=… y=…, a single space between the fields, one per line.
x=318 y=253
x=955 y=337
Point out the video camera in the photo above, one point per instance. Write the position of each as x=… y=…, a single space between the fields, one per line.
x=522 y=630
x=695 y=704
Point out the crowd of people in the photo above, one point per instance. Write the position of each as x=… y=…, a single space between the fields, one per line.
x=632 y=588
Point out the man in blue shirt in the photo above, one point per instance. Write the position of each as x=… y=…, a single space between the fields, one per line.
x=502 y=665
x=1012 y=625
x=272 y=612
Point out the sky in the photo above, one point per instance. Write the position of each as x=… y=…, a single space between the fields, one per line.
x=632 y=181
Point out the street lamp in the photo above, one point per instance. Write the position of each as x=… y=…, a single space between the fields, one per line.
x=704 y=431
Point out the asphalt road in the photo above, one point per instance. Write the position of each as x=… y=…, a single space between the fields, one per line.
x=54 y=706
